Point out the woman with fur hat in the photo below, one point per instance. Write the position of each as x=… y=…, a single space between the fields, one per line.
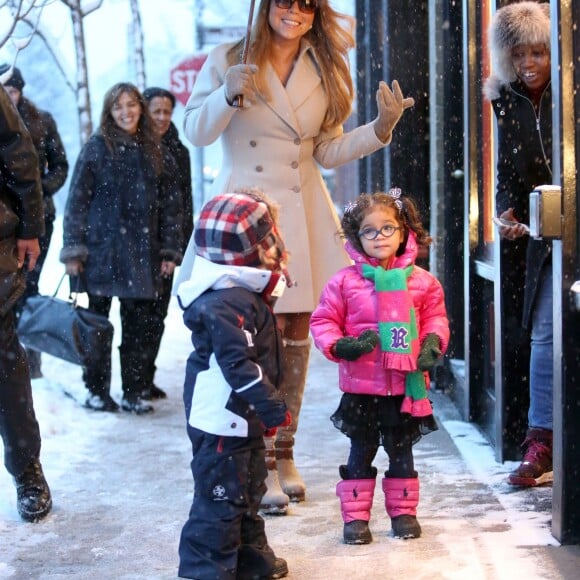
x=520 y=94
x=231 y=384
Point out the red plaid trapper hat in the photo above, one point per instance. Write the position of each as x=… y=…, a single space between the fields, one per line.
x=233 y=227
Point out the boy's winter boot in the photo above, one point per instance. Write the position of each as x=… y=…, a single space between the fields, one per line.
x=33 y=494
x=296 y=356
x=536 y=466
x=356 y=501
x=401 y=500
x=275 y=501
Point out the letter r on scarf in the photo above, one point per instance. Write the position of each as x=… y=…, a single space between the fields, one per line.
x=399 y=338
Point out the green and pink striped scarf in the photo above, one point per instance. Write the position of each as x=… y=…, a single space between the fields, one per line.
x=398 y=333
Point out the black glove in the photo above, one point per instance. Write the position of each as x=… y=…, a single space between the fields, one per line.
x=430 y=353
x=351 y=348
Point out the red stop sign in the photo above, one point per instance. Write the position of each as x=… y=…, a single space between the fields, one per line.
x=182 y=77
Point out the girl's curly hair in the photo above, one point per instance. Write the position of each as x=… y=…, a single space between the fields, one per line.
x=405 y=209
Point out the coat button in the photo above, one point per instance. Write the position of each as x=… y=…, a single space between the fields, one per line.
x=502 y=113
x=297 y=141
x=515 y=150
x=296 y=189
x=259 y=168
x=233 y=425
x=294 y=165
x=253 y=143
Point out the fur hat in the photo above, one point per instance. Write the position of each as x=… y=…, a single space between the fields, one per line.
x=14 y=80
x=238 y=229
x=512 y=25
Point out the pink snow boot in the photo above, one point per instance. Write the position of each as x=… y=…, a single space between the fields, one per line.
x=356 y=501
x=401 y=500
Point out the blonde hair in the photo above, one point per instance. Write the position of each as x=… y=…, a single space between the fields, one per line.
x=331 y=39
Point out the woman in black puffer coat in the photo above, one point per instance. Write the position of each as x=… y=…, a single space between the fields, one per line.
x=520 y=93
x=122 y=231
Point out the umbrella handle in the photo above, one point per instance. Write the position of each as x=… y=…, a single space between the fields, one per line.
x=238 y=101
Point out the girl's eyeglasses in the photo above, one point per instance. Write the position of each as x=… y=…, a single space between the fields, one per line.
x=306 y=6
x=372 y=234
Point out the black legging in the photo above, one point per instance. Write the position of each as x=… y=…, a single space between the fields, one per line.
x=362 y=454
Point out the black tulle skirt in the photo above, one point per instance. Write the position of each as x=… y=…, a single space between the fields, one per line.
x=379 y=420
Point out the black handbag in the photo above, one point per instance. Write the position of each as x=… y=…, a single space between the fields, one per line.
x=64 y=329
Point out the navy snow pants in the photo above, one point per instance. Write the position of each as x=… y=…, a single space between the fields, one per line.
x=224 y=537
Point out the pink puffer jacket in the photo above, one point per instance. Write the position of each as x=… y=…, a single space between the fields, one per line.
x=348 y=307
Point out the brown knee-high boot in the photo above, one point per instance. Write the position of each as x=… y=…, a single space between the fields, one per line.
x=275 y=501
x=296 y=358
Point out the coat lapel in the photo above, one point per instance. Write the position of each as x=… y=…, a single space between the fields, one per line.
x=303 y=81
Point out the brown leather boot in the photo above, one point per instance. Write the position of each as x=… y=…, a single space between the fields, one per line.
x=536 y=466
x=33 y=493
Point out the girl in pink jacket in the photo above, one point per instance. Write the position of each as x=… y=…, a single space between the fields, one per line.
x=383 y=319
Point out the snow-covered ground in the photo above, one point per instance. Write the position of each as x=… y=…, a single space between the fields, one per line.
x=122 y=489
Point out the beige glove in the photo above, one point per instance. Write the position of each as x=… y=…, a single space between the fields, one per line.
x=239 y=80
x=391 y=105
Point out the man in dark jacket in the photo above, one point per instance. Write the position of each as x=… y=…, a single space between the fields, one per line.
x=21 y=224
x=161 y=104
x=53 y=167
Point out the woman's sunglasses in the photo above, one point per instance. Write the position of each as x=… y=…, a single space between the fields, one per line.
x=306 y=6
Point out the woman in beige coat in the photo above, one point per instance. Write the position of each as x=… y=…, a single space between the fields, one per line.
x=296 y=92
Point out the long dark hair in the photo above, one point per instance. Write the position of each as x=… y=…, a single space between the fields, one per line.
x=146 y=135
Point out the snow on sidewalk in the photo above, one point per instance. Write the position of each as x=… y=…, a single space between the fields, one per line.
x=122 y=490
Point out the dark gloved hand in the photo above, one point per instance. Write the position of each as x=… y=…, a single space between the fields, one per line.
x=271 y=432
x=351 y=348
x=430 y=353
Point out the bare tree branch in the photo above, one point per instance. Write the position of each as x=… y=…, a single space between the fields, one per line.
x=55 y=57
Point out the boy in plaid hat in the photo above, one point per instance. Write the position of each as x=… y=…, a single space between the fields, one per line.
x=231 y=385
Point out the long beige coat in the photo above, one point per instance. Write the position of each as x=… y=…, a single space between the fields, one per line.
x=276 y=146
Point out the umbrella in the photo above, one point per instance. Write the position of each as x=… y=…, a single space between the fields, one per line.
x=239 y=100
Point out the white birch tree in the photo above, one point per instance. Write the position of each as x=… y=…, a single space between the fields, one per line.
x=28 y=12
x=78 y=11
x=137 y=45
